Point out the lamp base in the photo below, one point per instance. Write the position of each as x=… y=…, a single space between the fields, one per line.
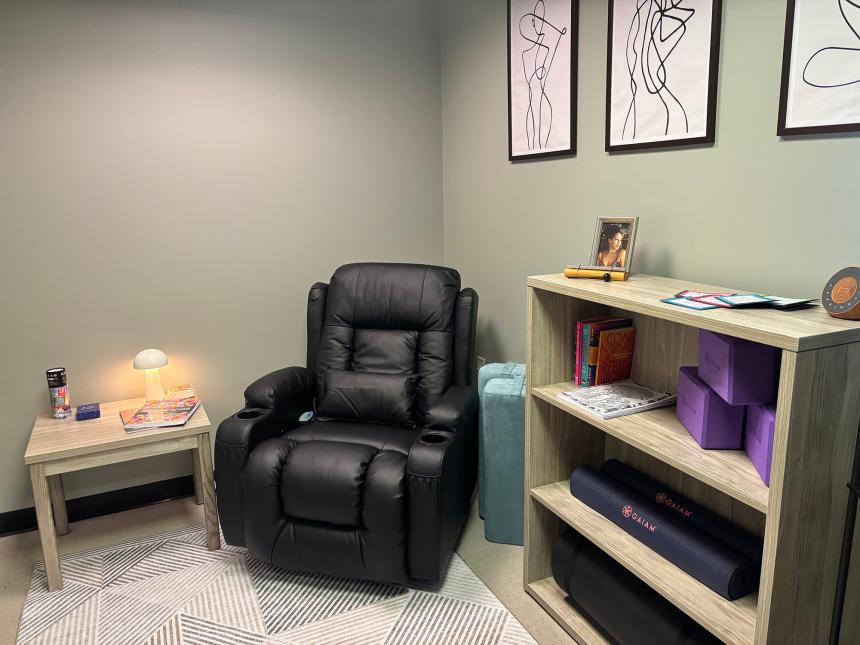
x=154 y=388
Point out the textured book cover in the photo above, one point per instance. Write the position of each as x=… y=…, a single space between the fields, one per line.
x=615 y=355
x=589 y=352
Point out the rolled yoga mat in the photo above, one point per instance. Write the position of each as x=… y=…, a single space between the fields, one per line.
x=687 y=510
x=715 y=565
x=616 y=601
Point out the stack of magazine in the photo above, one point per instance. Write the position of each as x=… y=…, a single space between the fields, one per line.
x=617 y=399
x=181 y=403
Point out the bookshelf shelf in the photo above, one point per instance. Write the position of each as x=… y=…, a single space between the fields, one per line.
x=552 y=599
x=660 y=434
x=800 y=516
x=733 y=621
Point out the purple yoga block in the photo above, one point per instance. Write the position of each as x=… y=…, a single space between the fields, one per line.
x=715 y=424
x=758 y=438
x=740 y=371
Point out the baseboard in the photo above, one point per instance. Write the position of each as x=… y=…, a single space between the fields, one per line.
x=113 y=501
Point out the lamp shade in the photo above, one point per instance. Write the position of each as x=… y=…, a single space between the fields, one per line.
x=150 y=359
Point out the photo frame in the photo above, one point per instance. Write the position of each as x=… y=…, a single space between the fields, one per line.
x=820 y=85
x=672 y=100
x=614 y=240
x=543 y=43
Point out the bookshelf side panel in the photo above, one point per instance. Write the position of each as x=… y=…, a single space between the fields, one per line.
x=816 y=430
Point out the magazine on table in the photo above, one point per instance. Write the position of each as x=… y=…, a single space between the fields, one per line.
x=160 y=414
x=618 y=399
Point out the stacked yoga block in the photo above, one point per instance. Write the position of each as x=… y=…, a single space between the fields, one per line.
x=727 y=401
x=501 y=459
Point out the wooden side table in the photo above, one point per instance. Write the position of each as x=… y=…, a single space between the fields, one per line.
x=58 y=447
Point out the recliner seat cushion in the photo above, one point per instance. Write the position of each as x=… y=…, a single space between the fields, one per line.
x=328 y=506
x=323 y=481
x=381 y=437
x=368 y=396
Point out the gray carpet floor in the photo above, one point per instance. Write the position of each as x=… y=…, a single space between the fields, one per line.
x=498 y=566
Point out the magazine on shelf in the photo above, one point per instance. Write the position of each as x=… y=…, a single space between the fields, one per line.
x=160 y=414
x=617 y=399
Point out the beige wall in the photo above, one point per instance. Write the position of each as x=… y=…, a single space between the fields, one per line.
x=751 y=212
x=177 y=174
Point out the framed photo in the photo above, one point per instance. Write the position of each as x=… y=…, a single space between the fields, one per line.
x=613 y=242
x=661 y=73
x=820 y=90
x=542 y=61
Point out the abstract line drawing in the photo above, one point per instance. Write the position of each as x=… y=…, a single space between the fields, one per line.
x=662 y=65
x=657 y=27
x=830 y=61
x=543 y=39
x=820 y=89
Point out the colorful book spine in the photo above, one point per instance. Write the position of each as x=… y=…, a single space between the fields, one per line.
x=577 y=373
x=583 y=358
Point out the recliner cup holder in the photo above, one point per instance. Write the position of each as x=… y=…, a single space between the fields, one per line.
x=433 y=438
x=248 y=414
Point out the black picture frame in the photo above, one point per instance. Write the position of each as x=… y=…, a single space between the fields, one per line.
x=574 y=63
x=713 y=77
x=782 y=130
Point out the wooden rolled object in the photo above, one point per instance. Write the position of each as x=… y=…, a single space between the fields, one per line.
x=841 y=295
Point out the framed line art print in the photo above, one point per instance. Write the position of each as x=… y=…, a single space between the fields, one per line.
x=820 y=89
x=542 y=62
x=661 y=73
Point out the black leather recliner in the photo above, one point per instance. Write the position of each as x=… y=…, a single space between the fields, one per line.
x=378 y=485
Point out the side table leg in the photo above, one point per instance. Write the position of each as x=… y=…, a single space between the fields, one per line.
x=58 y=504
x=210 y=509
x=198 y=485
x=45 y=518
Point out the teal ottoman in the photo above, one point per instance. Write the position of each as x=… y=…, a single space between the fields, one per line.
x=486 y=374
x=502 y=447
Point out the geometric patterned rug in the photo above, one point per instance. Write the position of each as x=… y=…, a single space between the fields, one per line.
x=170 y=590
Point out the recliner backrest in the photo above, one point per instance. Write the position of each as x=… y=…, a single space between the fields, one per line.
x=391 y=319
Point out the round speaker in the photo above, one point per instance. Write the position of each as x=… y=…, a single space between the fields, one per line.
x=841 y=295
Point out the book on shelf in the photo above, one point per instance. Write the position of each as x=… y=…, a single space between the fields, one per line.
x=160 y=414
x=619 y=399
x=614 y=355
x=590 y=350
x=577 y=371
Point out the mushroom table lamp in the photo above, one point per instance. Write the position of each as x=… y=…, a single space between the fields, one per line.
x=149 y=360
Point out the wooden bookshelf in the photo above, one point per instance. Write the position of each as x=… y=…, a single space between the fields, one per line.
x=800 y=516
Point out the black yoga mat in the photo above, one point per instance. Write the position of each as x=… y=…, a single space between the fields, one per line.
x=721 y=569
x=624 y=607
x=687 y=510
x=621 y=605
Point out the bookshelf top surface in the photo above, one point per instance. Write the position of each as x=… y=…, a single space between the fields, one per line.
x=800 y=330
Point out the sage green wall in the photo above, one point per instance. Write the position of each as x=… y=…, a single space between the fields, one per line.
x=177 y=173
x=750 y=212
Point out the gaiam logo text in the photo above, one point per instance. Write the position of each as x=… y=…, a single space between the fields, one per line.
x=663 y=498
x=628 y=512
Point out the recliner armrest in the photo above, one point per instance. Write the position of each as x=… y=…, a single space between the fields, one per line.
x=236 y=437
x=455 y=408
x=288 y=387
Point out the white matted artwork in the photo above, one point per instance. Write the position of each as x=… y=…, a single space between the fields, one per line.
x=542 y=45
x=821 y=67
x=662 y=64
